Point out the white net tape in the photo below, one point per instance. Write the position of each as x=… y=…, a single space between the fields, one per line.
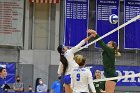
x=116 y=78
x=114 y=30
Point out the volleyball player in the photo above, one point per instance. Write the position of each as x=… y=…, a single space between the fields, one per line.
x=99 y=86
x=109 y=51
x=81 y=77
x=68 y=63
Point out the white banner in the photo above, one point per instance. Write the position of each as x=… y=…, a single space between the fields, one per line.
x=11 y=22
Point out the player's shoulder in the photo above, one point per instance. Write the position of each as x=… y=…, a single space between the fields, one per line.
x=75 y=69
x=80 y=69
x=68 y=52
x=85 y=69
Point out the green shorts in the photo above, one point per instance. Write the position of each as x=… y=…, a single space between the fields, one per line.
x=110 y=73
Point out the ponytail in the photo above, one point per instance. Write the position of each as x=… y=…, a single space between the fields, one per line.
x=64 y=62
x=115 y=47
x=63 y=58
x=117 y=53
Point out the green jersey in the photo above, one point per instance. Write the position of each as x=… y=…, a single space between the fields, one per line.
x=99 y=86
x=108 y=59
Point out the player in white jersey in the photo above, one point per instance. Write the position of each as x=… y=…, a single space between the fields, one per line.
x=68 y=63
x=81 y=77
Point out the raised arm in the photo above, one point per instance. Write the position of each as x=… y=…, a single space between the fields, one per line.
x=75 y=48
x=100 y=42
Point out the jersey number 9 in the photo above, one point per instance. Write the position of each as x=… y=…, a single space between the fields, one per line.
x=78 y=77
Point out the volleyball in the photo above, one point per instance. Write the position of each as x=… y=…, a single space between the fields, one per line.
x=113 y=19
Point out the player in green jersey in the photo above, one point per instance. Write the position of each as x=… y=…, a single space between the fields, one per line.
x=99 y=86
x=110 y=50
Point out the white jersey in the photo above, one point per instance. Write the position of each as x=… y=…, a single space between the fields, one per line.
x=69 y=54
x=80 y=78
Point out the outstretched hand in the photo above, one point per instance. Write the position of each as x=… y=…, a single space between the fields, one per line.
x=93 y=32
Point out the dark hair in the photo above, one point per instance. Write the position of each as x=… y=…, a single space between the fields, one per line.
x=114 y=44
x=17 y=76
x=37 y=83
x=59 y=77
x=48 y=90
x=94 y=76
x=1 y=69
x=62 y=58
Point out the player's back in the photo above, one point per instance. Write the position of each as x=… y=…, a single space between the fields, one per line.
x=71 y=62
x=80 y=80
